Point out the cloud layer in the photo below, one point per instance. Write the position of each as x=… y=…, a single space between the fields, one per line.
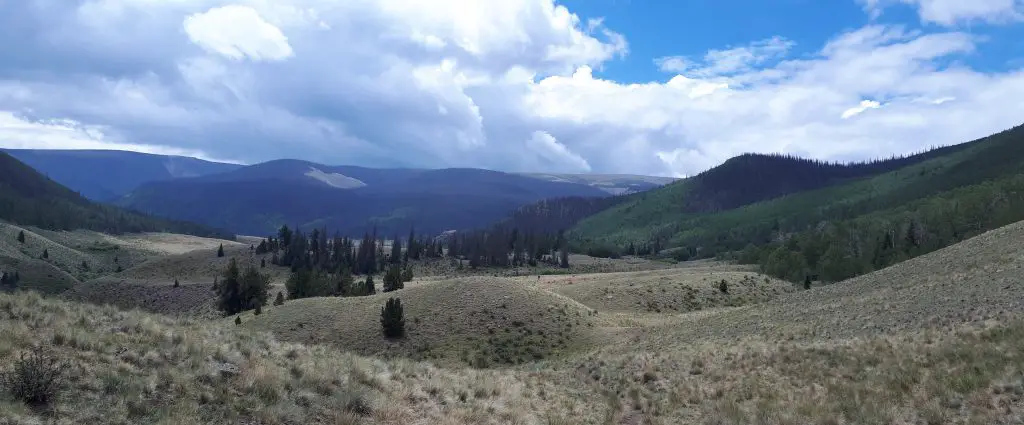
x=509 y=86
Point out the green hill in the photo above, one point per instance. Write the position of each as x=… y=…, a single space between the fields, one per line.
x=850 y=226
x=29 y=198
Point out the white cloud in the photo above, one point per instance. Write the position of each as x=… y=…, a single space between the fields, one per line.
x=953 y=12
x=515 y=85
x=554 y=153
x=236 y=32
x=864 y=105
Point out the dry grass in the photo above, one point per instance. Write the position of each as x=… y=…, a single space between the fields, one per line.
x=936 y=340
x=449 y=268
x=673 y=290
x=482 y=322
x=133 y=367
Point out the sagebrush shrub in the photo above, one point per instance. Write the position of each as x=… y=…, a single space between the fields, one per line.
x=35 y=377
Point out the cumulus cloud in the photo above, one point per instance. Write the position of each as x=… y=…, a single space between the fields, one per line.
x=953 y=12
x=512 y=85
x=237 y=32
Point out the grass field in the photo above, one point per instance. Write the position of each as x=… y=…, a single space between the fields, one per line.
x=937 y=339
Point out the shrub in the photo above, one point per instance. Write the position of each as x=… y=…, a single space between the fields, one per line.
x=238 y=320
x=280 y=298
x=36 y=377
x=723 y=286
x=407 y=274
x=391 y=318
x=263 y=263
x=258 y=310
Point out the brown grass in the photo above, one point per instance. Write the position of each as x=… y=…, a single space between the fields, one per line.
x=936 y=340
x=481 y=322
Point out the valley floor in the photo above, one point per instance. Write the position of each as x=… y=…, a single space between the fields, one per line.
x=934 y=340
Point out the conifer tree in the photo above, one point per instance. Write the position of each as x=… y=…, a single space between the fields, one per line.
x=263 y=263
x=345 y=282
x=280 y=298
x=392 y=318
x=807 y=282
x=220 y=251
x=176 y=284
x=393 y=279
x=46 y=253
x=238 y=320
x=370 y=288
x=21 y=236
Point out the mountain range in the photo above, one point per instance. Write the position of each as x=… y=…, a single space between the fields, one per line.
x=257 y=199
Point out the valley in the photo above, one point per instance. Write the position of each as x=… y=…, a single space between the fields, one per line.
x=526 y=320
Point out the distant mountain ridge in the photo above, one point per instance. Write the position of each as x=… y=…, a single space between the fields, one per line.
x=258 y=199
x=29 y=198
x=105 y=175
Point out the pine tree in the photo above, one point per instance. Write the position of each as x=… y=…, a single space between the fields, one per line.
x=220 y=251
x=176 y=284
x=119 y=269
x=391 y=318
x=723 y=286
x=280 y=298
x=258 y=310
x=345 y=282
x=46 y=253
x=807 y=282
x=21 y=236
x=393 y=279
x=85 y=266
x=407 y=274
x=238 y=320
x=370 y=288
x=263 y=263
x=396 y=251
x=229 y=291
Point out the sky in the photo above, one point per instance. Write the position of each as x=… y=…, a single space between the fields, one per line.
x=656 y=87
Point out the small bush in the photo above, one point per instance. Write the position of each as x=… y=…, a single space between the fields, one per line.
x=36 y=377
x=238 y=320
x=723 y=286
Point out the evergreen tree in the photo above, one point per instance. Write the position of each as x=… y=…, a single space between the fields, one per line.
x=392 y=318
x=176 y=284
x=119 y=269
x=723 y=286
x=21 y=236
x=240 y=291
x=229 y=291
x=220 y=251
x=263 y=263
x=393 y=279
x=370 y=288
x=280 y=298
x=238 y=320
x=85 y=266
x=396 y=251
x=807 y=282
x=46 y=253
x=407 y=274
x=258 y=310
x=345 y=282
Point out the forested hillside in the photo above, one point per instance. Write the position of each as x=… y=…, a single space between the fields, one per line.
x=29 y=198
x=842 y=230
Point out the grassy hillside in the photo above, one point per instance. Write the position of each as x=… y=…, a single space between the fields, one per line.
x=951 y=196
x=937 y=339
x=29 y=198
x=475 y=321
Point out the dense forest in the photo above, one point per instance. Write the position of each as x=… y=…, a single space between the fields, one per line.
x=853 y=228
x=29 y=198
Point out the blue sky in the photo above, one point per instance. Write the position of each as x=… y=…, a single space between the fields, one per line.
x=603 y=86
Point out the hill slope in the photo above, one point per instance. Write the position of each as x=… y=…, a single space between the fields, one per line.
x=28 y=198
x=259 y=199
x=951 y=194
x=105 y=175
